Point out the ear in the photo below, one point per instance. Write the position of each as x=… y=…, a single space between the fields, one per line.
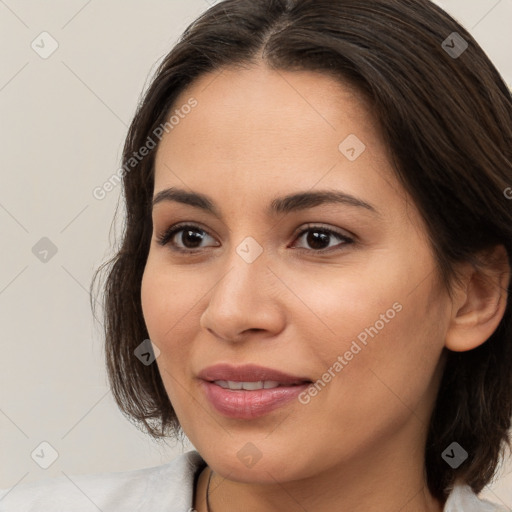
x=480 y=300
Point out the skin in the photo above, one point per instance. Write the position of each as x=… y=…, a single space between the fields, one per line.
x=257 y=134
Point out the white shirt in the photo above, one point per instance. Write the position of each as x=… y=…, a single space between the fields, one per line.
x=165 y=488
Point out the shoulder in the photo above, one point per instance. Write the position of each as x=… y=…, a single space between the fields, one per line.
x=463 y=499
x=166 y=487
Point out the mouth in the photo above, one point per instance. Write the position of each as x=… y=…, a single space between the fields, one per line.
x=249 y=377
x=249 y=391
x=252 y=386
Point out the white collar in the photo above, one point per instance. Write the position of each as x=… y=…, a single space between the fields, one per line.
x=463 y=499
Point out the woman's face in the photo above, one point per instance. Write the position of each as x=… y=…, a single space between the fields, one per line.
x=340 y=293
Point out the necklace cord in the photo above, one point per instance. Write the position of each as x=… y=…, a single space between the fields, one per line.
x=208 y=492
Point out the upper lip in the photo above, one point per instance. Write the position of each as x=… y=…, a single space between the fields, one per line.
x=248 y=373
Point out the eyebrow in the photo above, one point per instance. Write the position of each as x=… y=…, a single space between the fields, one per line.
x=293 y=202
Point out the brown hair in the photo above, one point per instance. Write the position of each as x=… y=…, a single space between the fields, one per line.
x=447 y=121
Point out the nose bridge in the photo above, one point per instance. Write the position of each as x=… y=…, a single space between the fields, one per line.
x=246 y=268
x=240 y=299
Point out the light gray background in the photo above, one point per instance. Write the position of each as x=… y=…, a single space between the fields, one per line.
x=63 y=123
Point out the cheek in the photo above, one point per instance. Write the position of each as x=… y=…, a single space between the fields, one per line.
x=152 y=299
x=165 y=296
x=167 y=310
x=340 y=305
x=381 y=320
x=167 y=307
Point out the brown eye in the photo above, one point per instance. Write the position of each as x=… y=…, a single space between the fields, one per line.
x=318 y=238
x=186 y=238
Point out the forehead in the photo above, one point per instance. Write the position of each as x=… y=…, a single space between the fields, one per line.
x=258 y=97
x=256 y=133
x=259 y=116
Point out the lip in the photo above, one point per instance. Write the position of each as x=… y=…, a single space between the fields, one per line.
x=248 y=373
x=245 y=404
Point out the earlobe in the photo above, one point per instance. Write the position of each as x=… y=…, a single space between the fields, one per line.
x=480 y=301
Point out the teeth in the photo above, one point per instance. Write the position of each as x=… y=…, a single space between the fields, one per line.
x=249 y=386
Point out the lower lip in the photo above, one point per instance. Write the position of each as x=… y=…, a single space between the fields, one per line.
x=243 y=404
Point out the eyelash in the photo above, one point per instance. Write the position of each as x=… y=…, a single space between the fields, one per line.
x=164 y=238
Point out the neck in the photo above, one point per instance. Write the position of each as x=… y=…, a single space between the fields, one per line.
x=360 y=487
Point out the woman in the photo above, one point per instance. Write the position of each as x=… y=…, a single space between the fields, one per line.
x=317 y=243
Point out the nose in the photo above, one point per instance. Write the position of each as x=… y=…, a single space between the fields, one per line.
x=245 y=301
